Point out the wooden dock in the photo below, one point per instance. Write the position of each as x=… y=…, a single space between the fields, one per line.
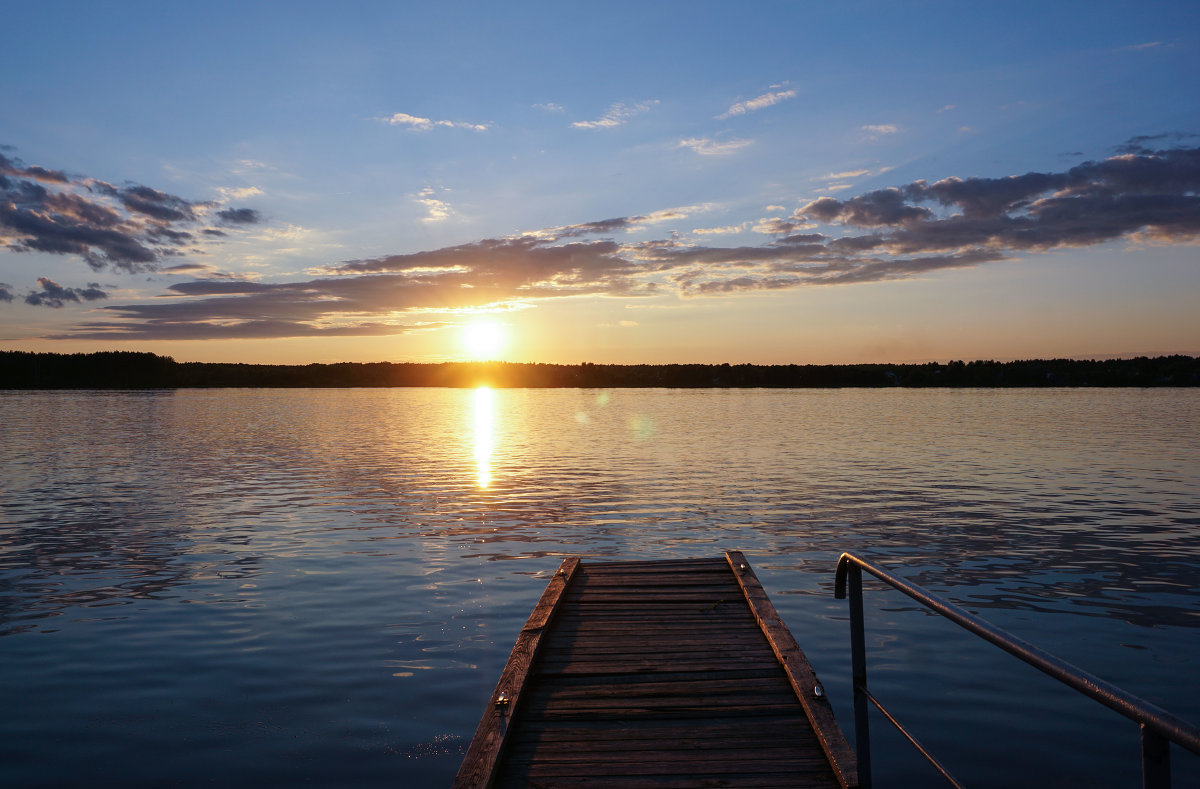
x=657 y=674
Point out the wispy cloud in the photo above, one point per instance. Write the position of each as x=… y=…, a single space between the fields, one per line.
x=903 y=232
x=417 y=123
x=549 y=107
x=622 y=224
x=757 y=103
x=1141 y=47
x=617 y=114
x=707 y=147
x=718 y=231
x=877 y=130
x=439 y=210
x=238 y=193
x=840 y=176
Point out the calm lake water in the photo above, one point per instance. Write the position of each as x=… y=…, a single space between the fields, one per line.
x=320 y=587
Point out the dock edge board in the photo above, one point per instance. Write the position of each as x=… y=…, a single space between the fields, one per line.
x=803 y=679
x=483 y=754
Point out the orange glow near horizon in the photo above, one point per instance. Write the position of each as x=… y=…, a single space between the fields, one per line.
x=485 y=434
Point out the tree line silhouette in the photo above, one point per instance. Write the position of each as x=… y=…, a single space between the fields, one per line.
x=132 y=370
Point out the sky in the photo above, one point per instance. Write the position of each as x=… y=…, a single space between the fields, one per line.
x=630 y=183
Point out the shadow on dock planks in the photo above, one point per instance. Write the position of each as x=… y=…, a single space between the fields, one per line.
x=657 y=674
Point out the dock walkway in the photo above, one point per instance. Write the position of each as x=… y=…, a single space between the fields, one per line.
x=657 y=674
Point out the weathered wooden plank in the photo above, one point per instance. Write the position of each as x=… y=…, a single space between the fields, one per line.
x=483 y=754
x=659 y=674
x=718 y=698
x=732 y=643
x=690 y=613
x=606 y=595
x=725 y=674
x=656 y=580
x=642 y=666
x=660 y=711
x=652 y=687
x=670 y=762
x=655 y=565
x=634 y=747
x=698 y=766
x=599 y=780
x=652 y=733
x=800 y=673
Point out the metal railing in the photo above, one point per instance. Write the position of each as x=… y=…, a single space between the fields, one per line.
x=1159 y=728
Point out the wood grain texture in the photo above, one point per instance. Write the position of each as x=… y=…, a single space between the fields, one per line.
x=654 y=674
x=800 y=673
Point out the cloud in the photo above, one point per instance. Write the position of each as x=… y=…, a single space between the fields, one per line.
x=1145 y=144
x=549 y=107
x=1140 y=47
x=425 y=124
x=616 y=115
x=185 y=268
x=1154 y=194
x=840 y=176
x=624 y=223
x=757 y=103
x=875 y=131
x=6 y=294
x=15 y=168
x=239 y=216
x=130 y=228
x=54 y=295
x=707 y=147
x=717 y=231
x=900 y=233
x=777 y=226
x=239 y=193
x=439 y=210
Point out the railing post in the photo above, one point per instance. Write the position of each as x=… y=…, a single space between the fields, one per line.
x=1156 y=760
x=858 y=658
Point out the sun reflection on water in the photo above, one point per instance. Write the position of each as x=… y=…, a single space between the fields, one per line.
x=485 y=429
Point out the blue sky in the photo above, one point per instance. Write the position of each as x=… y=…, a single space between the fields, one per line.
x=691 y=182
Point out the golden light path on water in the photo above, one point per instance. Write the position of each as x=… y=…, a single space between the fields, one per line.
x=485 y=432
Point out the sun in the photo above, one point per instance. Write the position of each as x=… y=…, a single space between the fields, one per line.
x=483 y=339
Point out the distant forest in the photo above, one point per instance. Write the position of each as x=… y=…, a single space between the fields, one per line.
x=129 y=370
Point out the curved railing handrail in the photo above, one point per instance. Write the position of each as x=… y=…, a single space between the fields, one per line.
x=1143 y=712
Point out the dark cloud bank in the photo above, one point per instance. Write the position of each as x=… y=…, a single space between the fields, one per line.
x=887 y=234
x=131 y=228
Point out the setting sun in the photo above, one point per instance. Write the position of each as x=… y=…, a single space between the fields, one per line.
x=484 y=339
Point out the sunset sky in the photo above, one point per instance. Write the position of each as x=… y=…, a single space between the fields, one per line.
x=617 y=182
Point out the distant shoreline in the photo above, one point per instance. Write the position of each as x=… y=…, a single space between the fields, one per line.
x=132 y=370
